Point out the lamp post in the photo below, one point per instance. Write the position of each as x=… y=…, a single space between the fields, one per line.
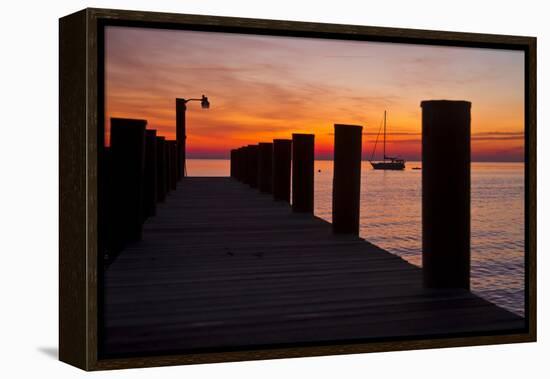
x=181 y=107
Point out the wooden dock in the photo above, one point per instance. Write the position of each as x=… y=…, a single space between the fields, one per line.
x=222 y=266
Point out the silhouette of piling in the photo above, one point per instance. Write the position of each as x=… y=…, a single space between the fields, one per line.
x=107 y=226
x=302 y=172
x=150 y=174
x=237 y=164
x=346 y=185
x=245 y=164
x=446 y=193
x=176 y=163
x=252 y=163
x=127 y=154
x=233 y=163
x=241 y=164
x=265 y=167
x=282 y=158
x=168 y=157
x=161 y=169
x=173 y=163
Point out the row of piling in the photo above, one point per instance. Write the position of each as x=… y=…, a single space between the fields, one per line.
x=140 y=168
x=285 y=168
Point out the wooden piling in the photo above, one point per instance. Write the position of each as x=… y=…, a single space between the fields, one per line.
x=346 y=185
x=176 y=165
x=236 y=163
x=233 y=163
x=245 y=164
x=302 y=172
x=252 y=163
x=173 y=156
x=161 y=169
x=240 y=164
x=168 y=165
x=150 y=174
x=282 y=157
x=106 y=227
x=265 y=167
x=446 y=193
x=127 y=161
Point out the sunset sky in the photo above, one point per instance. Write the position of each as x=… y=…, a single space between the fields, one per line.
x=263 y=87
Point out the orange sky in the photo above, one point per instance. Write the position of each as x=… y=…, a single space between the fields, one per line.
x=263 y=87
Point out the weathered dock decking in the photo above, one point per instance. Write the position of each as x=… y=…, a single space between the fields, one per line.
x=222 y=265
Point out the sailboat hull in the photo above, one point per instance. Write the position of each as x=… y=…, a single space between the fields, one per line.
x=388 y=165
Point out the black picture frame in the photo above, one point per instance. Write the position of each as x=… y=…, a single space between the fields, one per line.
x=81 y=139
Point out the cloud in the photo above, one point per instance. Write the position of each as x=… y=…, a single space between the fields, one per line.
x=349 y=56
x=263 y=87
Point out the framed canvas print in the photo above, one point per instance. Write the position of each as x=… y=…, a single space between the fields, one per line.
x=238 y=189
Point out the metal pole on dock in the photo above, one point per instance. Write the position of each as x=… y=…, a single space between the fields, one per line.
x=302 y=172
x=127 y=160
x=346 y=185
x=181 y=137
x=161 y=169
x=150 y=174
x=252 y=171
x=265 y=167
x=446 y=193
x=282 y=158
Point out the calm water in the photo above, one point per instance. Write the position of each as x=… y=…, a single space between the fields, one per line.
x=391 y=219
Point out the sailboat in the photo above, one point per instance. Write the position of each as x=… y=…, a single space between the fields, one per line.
x=388 y=163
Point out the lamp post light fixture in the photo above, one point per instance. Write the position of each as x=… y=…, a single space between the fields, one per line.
x=181 y=107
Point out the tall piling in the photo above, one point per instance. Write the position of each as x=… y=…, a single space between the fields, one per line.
x=233 y=163
x=241 y=164
x=346 y=185
x=173 y=156
x=246 y=165
x=265 y=167
x=127 y=159
x=150 y=174
x=237 y=164
x=282 y=158
x=252 y=163
x=161 y=169
x=302 y=172
x=106 y=226
x=168 y=157
x=446 y=193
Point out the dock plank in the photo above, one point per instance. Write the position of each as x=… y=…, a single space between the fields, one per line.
x=223 y=266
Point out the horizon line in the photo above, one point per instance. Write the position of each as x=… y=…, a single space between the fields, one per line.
x=365 y=160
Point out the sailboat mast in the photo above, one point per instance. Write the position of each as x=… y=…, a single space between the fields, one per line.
x=384 y=135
